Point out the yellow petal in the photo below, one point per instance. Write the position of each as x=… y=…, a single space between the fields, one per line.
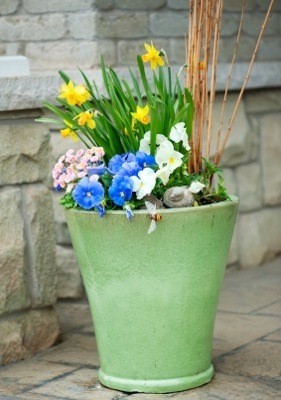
x=147 y=47
x=146 y=109
x=65 y=132
x=91 y=124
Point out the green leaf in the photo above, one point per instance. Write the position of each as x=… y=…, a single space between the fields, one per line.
x=65 y=77
x=49 y=121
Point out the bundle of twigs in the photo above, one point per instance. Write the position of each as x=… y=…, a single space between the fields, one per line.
x=205 y=19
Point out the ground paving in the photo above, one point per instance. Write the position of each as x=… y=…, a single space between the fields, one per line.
x=246 y=355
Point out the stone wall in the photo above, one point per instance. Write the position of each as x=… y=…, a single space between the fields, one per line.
x=61 y=34
x=28 y=321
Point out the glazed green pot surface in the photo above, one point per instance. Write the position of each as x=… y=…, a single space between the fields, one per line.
x=154 y=297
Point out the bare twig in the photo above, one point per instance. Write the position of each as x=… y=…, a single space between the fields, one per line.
x=228 y=78
x=232 y=118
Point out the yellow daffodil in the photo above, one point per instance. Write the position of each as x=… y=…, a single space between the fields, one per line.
x=142 y=115
x=74 y=94
x=152 y=56
x=68 y=132
x=86 y=118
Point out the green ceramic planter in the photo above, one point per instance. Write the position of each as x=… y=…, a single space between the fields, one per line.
x=154 y=297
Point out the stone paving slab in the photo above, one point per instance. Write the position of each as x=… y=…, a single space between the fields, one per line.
x=235 y=330
x=272 y=309
x=251 y=290
x=23 y=375
x=247 y=348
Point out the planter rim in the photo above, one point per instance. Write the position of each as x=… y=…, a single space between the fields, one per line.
x=234 y=200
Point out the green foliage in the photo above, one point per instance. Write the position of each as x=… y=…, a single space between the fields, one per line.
x=115 y=130
x=67 y=201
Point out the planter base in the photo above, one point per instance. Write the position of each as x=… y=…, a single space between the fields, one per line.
x=157 y=386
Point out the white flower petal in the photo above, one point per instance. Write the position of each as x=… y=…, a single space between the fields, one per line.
x=144 y=146
x=164 y=175
x=196 y=186
x=175 y=135
x=146 y=182
x=136 y=183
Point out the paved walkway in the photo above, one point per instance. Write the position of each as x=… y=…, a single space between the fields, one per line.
x=247 y=350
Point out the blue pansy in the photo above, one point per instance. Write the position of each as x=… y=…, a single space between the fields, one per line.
x=145 y=160
x=98 y=169
x=129 y=212
x=121 y=190
x=129 y=169
x=100 y=209
x=116 y=162
x=88 y=194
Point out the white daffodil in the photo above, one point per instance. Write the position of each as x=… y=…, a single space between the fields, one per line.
x=167 y=156
x=196 y=187
x=145 y=142
x=163 y=174
x=144 y=183
x=178 y=133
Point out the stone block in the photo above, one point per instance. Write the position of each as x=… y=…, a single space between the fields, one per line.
x=168 y=24
x=263 y=5
x=35 y=6
x=104 y=4
x=270 y=158
x=23 y=335
x=11 y=341
x=230 y=24
x=177 y=53
x=40 y=234
x=81 y=25
x=66 y=55
x=263 y=101
x=69 y=278
x=269 y=49
x=41 y=329
x=242 y=145
x=62 y=232
x=13 y=282
x=106 y=49
x=8 y=6
x=179 y=4
x=127 y=50
x=230 y=181
x=16 y=28
x=24 y=153
x=249 y=187
x=121 y=25
x=245 y=49
x=253 y=23
x=234 y=5
x=259 y=236
x=139 y=5
x=73 y=315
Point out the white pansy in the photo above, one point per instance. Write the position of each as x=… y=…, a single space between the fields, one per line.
x=145 y=142
x=144 y=183
x=196 y=186
x=163 y=174
x=178 y=133
x=167 y=156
